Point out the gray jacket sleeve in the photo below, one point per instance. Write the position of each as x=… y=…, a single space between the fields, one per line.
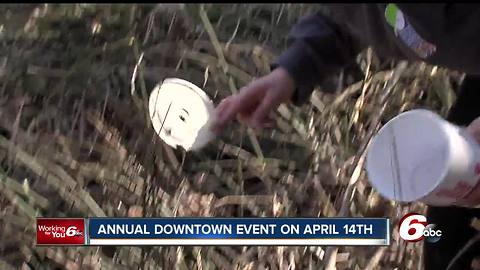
x=318 y=47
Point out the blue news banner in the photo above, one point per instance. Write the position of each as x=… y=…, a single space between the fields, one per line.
x=237 y=231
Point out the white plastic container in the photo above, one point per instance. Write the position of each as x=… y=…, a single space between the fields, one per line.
x=181 y=114
x=419 y=156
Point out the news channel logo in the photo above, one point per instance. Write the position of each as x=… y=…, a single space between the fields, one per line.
x=60 y=231
x=414 y=227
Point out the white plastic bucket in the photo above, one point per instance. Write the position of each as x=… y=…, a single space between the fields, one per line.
x=181 y=114
x=419 y=156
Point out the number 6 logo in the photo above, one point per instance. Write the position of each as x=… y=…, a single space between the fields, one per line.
x=71 y=231
x=412 y=226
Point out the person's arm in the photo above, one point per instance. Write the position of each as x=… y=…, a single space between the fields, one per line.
x=318 y=47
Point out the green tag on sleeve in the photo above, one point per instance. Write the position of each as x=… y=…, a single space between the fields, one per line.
x=391 y=14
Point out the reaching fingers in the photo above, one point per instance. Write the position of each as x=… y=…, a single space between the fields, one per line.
x=228 y=110
x=260 y=117
x=242 y=118
x=243 y=102
x=220 y=113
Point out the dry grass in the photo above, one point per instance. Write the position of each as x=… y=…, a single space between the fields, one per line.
x=76 y=141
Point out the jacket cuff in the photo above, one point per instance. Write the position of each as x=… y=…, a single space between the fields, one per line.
x=301 y=65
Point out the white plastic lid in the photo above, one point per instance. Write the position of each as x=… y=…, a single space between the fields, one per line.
x=181 y=114
x=408 y=158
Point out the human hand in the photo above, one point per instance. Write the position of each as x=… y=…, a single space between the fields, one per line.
x=473 y=198
x=255 y=101
x=474 y=129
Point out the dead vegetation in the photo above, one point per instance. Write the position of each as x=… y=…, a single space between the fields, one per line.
x=76 y=140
